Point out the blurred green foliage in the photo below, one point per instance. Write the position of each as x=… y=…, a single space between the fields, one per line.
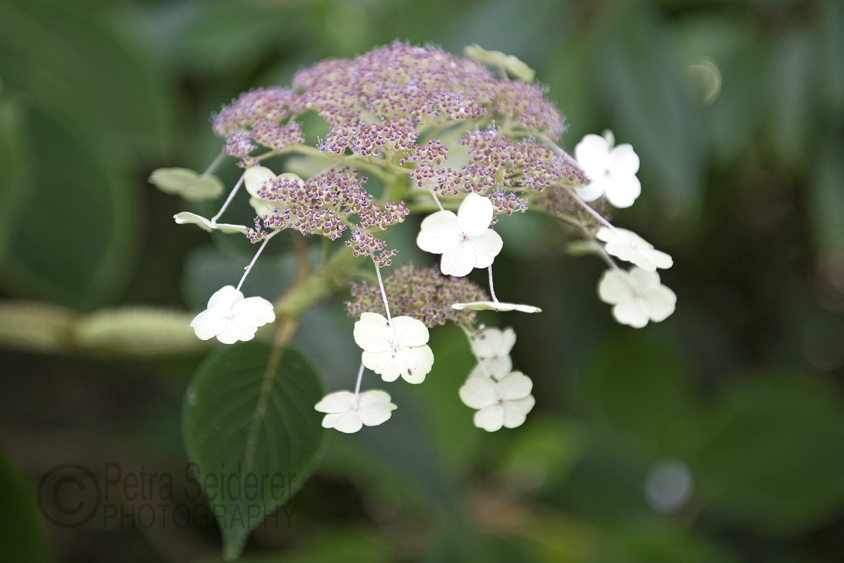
x=737 y=112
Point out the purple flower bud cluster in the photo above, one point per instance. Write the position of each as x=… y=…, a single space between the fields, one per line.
x=325 y=205
x=423 y=294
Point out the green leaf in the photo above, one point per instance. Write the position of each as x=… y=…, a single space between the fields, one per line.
x=73 y=242
x=14 y=165
x=774 y=455
x=20 y=527
x=187 y=184
x=248 y=421
x=70 y=65
x=826 y=198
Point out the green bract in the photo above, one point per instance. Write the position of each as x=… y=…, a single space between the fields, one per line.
x=187 y=184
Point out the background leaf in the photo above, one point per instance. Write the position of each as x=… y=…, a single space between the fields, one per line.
x=21 y=537
x=226 y=430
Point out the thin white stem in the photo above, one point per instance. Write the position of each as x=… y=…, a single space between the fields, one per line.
x=386 y=304
x=357 y=385
x=214 y=164
x=228 y=200
x=589 y=208
x=255 y=258
x=491 y=286
x=433 y=193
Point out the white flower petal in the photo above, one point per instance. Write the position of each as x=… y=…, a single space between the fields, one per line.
x=479 y=392
x=375 y=399
x=615 y=287
x=624 y=162
x=224 y=298
x=487 y=246
x=592 y=191
x=410 y=331
x=382 y=363
x=515 y=386
x=659 y=302
x=631 y=313
x=622 y=192
x=255 y=177
x=439 y=232
x=414 y=363
x=592 y=154
x=347 y=422
x=372 y=333
x=474 y=214
x=186 y=217
x=374 y=417
x=644 y=280
x=490 y=418
x=515 y=412
x=458 y=260
x=235 y=331
x=494 y=342
x=339 y=401
x=254 y=311
x=208 y=324
x=496 y=306
x=494 y=367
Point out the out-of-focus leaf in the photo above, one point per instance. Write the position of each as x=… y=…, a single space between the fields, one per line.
x=826 y=197
x=642 y=82
x=20 y=526
x=830 y=70
x=790 y=82
x=654 y=542
x=73 y=242
x=466 y=546
x=71 y=66
x=241 y=419
x=641 y=388
x=233 y=33
x=14 y=166
x=774 y=457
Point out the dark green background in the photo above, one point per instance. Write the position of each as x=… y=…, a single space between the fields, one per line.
x=742 y=383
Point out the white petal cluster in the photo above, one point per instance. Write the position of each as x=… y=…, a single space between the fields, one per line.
x=630 y=247
x=464 y=240
x=637 y=296
x=492 y=347
x=186 y=217
x=496 y=306
x=348 y=412
x=612 y=170
x=230 y=317
x=500 y=403
x=397 y=350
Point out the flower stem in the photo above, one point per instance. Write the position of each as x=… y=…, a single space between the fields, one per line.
x=255 y=258
x=589 y=208
x=386 y=304
x=491 y=286
x=228 y=200
x=214 y=164
x=357 y=385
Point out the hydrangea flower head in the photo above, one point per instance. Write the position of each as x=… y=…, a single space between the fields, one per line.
x=464 y=240
x=348 y=412
x=500 y=403
x=230 y=317
x=393 y=350
x=612 y=170
x=637 y=296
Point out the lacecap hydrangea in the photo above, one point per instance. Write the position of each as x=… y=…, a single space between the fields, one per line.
x=462 y=141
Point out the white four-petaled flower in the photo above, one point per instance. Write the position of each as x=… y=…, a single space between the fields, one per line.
x=637 y=295
x=397 y=350
x=630 y=247
x=348 y=412
x=492 y=347
x=612 y=170
x=230 y=317
x=501 y=403
x=464 y=240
